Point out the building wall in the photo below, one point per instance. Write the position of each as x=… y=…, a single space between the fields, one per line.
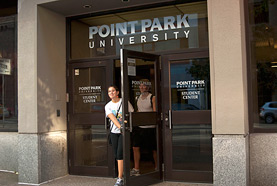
x=9 y=151
x=228 y=67
x=42 y=91
x=228 y=71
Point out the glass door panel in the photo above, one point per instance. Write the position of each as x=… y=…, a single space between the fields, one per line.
x=191 y=147
x=90 y=146
x=139 y=86
x=89 y=152
x=188 y=134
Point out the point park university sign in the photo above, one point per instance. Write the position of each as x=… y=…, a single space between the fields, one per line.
x=143 y=31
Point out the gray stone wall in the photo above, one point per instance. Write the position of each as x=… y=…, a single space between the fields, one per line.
x=9 y=151
x=53 y=155
x=263 y=159
x=230 y=160
x=42 y=157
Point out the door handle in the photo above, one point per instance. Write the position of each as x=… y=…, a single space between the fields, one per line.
x=131 y=122
x=169 y=119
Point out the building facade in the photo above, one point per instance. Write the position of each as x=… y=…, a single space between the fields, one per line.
x=210 y=64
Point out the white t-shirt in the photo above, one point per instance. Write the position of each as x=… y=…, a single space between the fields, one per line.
x=112 y=107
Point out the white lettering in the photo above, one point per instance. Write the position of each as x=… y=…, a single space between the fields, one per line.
x=183 y=82
x=146 y=23
x=143 y=39
x=156 y=25
x=186 y=33
x=181 y=21
x=92 y=30
x=104 y=28
x=155 y=37
x=190 y=97
x=91 y=44
x=133 y=26
x=102 y=43
x=120 y=40
x=176 y=34
x=122 y=27
x=112 y=29
x=169 y=22
x=131 y=40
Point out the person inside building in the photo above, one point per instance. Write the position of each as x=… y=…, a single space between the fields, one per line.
x=113 y=110
x=144 y=136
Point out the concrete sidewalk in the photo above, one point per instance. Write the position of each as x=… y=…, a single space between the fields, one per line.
x=11 y=179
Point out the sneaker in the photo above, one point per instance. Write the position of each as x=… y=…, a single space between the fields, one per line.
x=119 y=182
x=134 y=172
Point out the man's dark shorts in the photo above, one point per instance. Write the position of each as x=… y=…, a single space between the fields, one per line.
x=144 y=138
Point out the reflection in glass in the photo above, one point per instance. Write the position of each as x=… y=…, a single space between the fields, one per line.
x=90 y=146
x=144 y=71
x=89 y=89
x=190 y=84
x=191 y=147
x=8 y=77
x=263 y=52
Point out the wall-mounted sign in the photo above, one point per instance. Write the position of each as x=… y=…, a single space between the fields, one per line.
x=90 y=99
x=190 y=84
x=5 y=66
x=191 y=90
x=190 y=94
x=141 y=31
x=138 y=83
x=131 y=63
x=89 y=89
x=90 y=94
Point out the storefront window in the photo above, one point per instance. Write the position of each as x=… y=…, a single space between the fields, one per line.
x=263 y=63
x=8 y=74
x=174 y=27
x=190 y=84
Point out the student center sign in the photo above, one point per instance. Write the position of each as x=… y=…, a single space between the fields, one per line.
x=142 y=31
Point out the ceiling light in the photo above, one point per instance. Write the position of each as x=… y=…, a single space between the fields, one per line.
x=274 y=66
x=87 y=6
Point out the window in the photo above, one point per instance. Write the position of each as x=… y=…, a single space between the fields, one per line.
x=273 y=105
x=8 y=74
x=262 y=32
x=104 y=35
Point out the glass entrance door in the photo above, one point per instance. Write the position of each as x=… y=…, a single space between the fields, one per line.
x=89 y=152
x=140 y=84
x=187 y=117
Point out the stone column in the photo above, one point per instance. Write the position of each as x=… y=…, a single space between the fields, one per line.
x=228 y=65
x=41 y=92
